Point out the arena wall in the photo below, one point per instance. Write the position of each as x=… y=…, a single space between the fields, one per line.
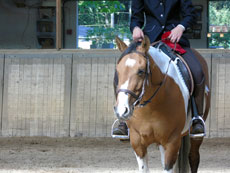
x=70 y=93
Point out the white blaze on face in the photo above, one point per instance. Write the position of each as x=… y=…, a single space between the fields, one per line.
x=130 y=62
x=122 y=98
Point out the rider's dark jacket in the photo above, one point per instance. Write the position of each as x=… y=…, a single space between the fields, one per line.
x=162 y=15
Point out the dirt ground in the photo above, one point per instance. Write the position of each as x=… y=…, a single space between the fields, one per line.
x=76 y=155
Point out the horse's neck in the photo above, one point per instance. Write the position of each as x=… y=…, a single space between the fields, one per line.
x=156 y=76
x=155 y=79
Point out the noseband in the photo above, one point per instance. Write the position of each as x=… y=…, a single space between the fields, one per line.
x=139 y=98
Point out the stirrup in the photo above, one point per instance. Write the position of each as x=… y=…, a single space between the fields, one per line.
x=200 y=135
x=118 y=136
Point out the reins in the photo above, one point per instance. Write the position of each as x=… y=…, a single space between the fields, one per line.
x=156 y=42
x=156 y=91
x=166 y=74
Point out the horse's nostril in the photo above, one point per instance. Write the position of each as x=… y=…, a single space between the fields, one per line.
x=126 y=110
x=122 y=112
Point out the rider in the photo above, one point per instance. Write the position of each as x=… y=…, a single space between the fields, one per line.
x=159 y=17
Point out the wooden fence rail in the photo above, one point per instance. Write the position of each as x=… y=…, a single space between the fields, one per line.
x=70 y=93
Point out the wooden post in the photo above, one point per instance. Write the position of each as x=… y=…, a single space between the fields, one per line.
x=58 y=25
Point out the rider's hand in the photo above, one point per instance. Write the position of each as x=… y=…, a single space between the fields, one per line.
x=176 y=34
x=138 y=34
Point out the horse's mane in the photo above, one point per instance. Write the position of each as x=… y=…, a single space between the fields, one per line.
x=133 y=46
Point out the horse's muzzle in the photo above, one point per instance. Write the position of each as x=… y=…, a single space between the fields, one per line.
x=123 y=113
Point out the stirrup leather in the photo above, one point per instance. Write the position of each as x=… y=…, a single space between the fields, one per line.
x=118 y=136
x=200 y=134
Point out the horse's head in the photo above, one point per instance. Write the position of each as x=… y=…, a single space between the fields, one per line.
x=132 y=71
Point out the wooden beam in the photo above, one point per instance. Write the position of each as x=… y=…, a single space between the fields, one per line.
x=58 y=25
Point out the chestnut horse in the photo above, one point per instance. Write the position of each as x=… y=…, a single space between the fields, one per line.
x=153 y=99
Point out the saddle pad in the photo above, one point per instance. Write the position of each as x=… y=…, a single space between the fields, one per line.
x=167 y=65
x=182 y=65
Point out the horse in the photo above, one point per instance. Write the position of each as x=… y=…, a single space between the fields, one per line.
x=151 y=97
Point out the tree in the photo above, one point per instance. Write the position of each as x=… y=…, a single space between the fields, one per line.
x=100 y=16
x=219 y=13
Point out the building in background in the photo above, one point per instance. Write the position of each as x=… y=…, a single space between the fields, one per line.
x=31 y=24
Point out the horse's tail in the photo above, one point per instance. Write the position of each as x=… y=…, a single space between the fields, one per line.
x=182 y=164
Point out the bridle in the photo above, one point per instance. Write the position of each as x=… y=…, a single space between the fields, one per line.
x=147 y=73
x=138 y=98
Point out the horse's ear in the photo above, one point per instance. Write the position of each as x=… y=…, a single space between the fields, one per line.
x=120 y=44
x=145 y=44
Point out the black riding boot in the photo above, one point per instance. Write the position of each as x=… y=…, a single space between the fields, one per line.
x=121 y=130
x=197 y=124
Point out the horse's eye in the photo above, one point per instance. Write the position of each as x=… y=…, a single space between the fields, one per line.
x=141 y=72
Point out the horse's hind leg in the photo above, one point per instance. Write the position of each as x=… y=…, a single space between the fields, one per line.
x=194 y=155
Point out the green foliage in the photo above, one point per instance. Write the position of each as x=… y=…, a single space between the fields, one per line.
x=220 y=42
x=219 y=14
x=97 y=15
x=97 y=12
x=104 y=35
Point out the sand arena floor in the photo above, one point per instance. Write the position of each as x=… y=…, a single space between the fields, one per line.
x=76 y=155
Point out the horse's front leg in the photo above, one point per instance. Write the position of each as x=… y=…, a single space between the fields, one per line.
x=140 y=152
x=142 y=163
x=169 y=154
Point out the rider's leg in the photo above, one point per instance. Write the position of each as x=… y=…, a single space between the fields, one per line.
x=199 y=88
x=199 y=101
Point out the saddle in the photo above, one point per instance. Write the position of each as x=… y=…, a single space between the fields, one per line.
x=181 y=64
